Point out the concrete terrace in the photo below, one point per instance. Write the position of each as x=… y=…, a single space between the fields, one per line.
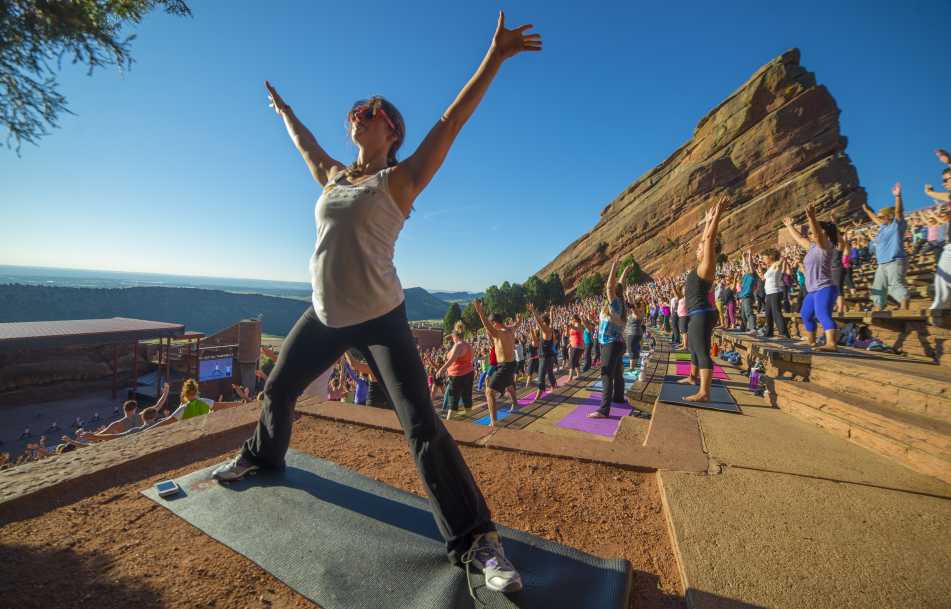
x=764 y=509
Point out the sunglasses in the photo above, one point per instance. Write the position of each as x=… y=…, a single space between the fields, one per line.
x=366 y=112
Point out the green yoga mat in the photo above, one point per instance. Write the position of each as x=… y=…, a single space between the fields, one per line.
x=681 y=357
x=345 y=541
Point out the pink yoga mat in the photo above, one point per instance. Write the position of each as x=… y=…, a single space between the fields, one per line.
x=683 y=369
x=578 y=418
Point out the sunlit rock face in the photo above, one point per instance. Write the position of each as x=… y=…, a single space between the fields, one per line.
x=772 y=147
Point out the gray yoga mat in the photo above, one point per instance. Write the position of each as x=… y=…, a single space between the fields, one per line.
x=673 y=392
x=345 y=541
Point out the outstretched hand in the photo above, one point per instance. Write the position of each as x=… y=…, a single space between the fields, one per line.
x=896 y=189
x=943 y=156
x=275 y=100
x=508 y=43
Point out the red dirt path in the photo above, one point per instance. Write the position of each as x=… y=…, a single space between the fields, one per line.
x=118 y=549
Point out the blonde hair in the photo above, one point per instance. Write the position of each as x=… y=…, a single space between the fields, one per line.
x=190 y=389
x=459 y=329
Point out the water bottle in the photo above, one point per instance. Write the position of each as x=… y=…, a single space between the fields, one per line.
x=754 y=377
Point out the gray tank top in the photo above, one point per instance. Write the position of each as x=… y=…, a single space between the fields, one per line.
x=352 y=271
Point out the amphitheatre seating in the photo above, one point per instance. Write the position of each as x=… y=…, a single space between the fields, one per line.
x=898 y=406
x=895 y=405
x=918 y=332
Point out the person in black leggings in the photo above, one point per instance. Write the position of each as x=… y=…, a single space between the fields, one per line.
x=700 y=308
x=611 y=337
x=546 y=352
x=358 y=302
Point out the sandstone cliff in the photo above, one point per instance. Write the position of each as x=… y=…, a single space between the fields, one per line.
x=772 y=146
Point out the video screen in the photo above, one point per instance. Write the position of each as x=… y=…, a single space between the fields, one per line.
x=217 y=368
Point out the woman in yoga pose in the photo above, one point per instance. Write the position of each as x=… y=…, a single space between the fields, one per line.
x=700 y=306
x=358 y=302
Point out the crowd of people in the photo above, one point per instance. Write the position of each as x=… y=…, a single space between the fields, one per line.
x=812 y=273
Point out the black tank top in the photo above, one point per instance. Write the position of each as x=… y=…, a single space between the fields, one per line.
x=695 y=292
x=547 y=347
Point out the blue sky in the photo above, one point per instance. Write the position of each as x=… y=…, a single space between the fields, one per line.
x=178 y=166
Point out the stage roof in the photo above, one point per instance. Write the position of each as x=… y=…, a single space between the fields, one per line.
x=77 y=332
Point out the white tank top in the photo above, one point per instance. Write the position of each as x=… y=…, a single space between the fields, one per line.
x=352 y=270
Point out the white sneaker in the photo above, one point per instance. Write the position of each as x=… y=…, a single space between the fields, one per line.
x=234 y=469
x=486 y=555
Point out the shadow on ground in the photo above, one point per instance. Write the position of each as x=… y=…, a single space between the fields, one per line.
x=37 y=578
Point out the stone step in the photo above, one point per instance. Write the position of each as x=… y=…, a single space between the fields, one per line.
x=919 y=443
x=915 y=387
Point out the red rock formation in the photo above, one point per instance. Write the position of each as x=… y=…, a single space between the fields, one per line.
x=772 y=146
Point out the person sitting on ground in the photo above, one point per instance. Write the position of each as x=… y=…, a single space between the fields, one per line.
x=822 y=290
x=192 y=405
x=148 y=416
x=131 y=417
x=890 y=253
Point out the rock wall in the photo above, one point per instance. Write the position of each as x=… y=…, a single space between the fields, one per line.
x=772 y=146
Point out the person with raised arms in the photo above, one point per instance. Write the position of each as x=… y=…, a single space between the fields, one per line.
x=698 y=292
x=889 y=277
x=358 y=302
x=611 y=336
x=820 y=284
x=546 y=354
x=503 y=377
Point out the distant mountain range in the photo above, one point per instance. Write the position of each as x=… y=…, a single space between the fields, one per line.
x=203 y=310
x=463 y=298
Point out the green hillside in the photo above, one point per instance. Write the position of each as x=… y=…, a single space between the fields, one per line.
x=201 y=310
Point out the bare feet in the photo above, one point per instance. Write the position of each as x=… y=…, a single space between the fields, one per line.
x=689 y=380
x=697 y=397
x=804 y=343
x=597 y=415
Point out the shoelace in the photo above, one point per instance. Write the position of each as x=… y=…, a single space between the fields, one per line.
x=496 y=550
x=466 y=561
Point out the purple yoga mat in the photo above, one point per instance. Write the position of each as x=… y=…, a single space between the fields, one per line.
x=578 y=418
x=683 y=369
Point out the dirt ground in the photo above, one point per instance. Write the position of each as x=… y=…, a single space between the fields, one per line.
x=118 y=549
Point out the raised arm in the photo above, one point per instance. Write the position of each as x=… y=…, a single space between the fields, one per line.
x=943 y=156
x=707 y=264
x=318 y=161
x=411 y=176
x=871 y=214
x=795 y=234
x=822 y=240
x=609 y=284
x=937 y=195
x=360 y=367
x=489 y=330
x=899 y=208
